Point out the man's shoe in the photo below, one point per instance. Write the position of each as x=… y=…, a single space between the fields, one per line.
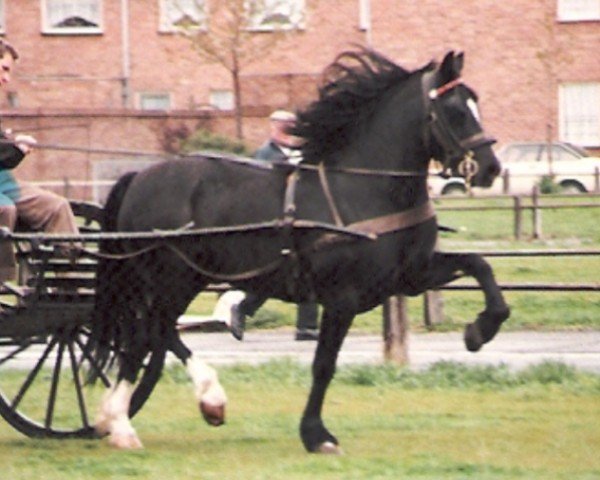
x=237 y=322
x=305 y=334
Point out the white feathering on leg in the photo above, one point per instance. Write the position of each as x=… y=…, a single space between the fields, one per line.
x=222 y=310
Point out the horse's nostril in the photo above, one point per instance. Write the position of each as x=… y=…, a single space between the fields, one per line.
x=494 y=169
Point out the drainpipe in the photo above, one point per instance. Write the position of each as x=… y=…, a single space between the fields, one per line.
x=366 y=22
x=126 y=53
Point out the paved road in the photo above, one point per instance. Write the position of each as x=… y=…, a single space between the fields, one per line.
x=516 y=349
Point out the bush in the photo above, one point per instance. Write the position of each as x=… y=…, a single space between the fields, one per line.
x=204 y=140
x=548 y=185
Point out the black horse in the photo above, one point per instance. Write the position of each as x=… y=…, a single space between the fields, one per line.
x=368 y=142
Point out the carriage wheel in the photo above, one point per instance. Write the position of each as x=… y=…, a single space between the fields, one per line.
x=43 y=388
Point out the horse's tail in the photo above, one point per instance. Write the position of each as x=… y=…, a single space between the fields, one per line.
x=114 y=201
x=105 y=335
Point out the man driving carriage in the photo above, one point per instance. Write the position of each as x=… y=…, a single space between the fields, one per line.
x=39 y=209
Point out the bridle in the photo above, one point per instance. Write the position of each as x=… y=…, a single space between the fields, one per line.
x=457 y=153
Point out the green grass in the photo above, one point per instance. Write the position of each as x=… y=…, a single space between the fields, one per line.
x=449 y=422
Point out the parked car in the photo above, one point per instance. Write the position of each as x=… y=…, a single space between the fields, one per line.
x=526 y=164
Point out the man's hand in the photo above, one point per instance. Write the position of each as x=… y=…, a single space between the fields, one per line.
x=24 y=142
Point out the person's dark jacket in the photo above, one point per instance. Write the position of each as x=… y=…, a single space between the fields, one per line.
x=10 y=154
x=270 y=151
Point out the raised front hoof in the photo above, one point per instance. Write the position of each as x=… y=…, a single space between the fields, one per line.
x=213 y=414
x=485 y=328
x=128 y=441
x=329 y=448
x=473 y=338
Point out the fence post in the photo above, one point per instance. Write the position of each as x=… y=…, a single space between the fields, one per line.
x=395 y=330
x=537 y=213
x=597 y=180
x=518 y=214
x=506 y=181
x=433 y=308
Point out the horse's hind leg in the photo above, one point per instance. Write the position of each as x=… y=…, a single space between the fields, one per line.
x=209 y=392
x=447 y=267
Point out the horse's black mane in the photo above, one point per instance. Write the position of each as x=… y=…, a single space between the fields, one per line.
x=350 y=89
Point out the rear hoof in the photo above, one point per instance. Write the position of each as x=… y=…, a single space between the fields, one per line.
x=213 y=414
x=128 y=441
x=473 y=337
x=329 y=448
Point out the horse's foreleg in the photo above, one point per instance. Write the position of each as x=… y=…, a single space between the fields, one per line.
x=113 y=417
x=447 y=267
x=315 y=437
x=209 y=392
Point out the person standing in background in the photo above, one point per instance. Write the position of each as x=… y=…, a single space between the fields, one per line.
x=281 y=146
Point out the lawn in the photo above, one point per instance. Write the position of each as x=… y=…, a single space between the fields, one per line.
x=449 y=422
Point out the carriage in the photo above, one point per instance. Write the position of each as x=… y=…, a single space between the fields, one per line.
x=348 y=227
x=44 y=325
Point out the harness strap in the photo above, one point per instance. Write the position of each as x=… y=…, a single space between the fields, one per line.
x=328 y=195
x=395 y=221
x=378 y=226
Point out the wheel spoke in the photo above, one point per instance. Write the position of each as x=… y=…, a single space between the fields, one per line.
x=78 y=386
x=54 y=386
x=31 y=377
x=97 y=369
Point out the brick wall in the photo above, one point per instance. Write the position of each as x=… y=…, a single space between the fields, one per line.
x=516 y=56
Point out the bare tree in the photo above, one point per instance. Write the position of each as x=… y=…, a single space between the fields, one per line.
x=236 y=33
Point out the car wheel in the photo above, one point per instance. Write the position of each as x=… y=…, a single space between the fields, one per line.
x=454 y=189
x=572 y=186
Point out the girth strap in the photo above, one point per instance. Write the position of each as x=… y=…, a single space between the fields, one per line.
x=395 y=221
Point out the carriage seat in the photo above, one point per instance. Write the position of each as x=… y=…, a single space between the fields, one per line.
x=53 y=273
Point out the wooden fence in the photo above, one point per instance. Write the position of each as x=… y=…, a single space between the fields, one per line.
x=523 y=203
x=396 y=321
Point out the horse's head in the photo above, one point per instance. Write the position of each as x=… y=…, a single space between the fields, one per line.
x=456 y=137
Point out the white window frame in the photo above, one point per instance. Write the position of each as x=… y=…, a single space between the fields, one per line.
x=197 y=10
x=578 y=10
x=47 y=28
x=259 y=10
x=154 y=97
x=579 y=113
x=2 y=17
x=222 y=99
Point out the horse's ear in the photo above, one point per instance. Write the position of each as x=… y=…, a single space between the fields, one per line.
x=451 y=66
x=459 y=61
x=447 y=68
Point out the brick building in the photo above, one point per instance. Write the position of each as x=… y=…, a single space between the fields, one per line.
x=116 y=74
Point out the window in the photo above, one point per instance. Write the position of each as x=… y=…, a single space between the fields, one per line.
x=579 y=113
x=276 y=14
x=577 y=10
x=2 y=22
x=182 y=14
x=222 y=99
x=155 y=101
x=72 y=16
